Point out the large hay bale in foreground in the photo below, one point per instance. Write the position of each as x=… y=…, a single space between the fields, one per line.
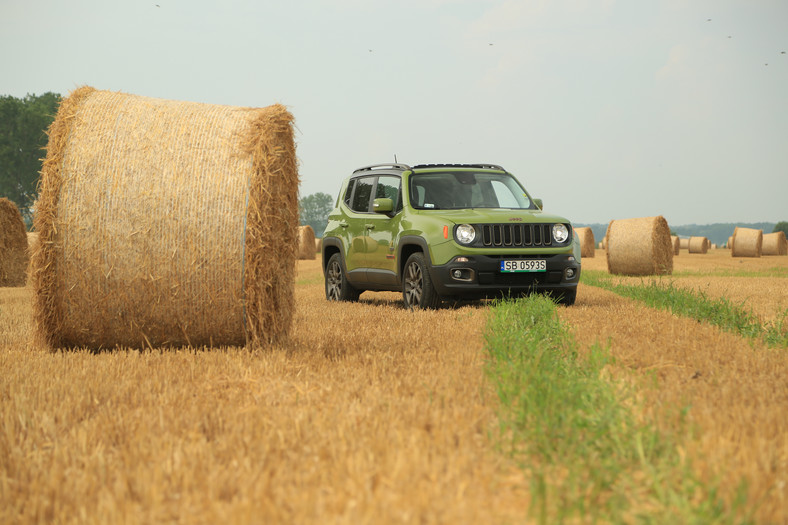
x=306 y=242
x=14 y=254
x=698 y=245
x=676 y=242
x=165 y=223
x=639 y=246
x=586 y=238
x=774 y=244
x=747 y=242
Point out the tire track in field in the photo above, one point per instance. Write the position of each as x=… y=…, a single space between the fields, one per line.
x=734 y=391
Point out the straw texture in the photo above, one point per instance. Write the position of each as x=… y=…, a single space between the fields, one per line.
x=165 y=223
x=699 y=245
x=586 y=238
x=674 y=239
x=14 y=254
x=639 y=246
x=306 y=242
x=747 y=242
x=775 y=244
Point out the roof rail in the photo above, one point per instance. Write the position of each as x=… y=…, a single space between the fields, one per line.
x=373 y=166
x=479 y=166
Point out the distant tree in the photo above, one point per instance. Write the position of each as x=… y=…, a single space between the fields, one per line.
x=314 y=210
x=23 y=125
x=781 y=226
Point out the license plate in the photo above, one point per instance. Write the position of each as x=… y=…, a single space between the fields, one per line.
x=524 y=265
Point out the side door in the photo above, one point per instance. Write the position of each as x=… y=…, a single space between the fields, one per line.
x=382 y=233
x=358 y=202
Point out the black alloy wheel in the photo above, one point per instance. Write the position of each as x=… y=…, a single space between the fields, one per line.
x=337 y=286
x=417 y=288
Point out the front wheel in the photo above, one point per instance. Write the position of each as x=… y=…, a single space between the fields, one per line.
x=417 y=288
x=337 y=286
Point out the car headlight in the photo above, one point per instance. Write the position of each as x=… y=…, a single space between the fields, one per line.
x=560 y=233
x=465 y=234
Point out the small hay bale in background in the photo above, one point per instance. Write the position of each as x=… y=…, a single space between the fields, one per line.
x=165 y=223
x=684 y=243
x=586 y=238
x=306 y=242
x=676 y=242
x=774 y=244
x=747 y=242
x=318 y=246
x=730 y=242
x=698 y=245
x=14 y=254
x=639 y=246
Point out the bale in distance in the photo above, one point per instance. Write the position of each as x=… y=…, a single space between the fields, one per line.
x=674 y=239
x=165 y=223
x=306 y=242
x=730 y=242
x=698 y=245
x=586 y=238
x=14 y=254
x=318 y=245
x=774 y=244
x=747 y=242
x=639 y=246
x=684 y=243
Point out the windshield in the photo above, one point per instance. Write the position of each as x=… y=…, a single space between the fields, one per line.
x=451 y=190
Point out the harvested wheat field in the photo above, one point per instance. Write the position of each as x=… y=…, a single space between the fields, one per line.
x=368 y=413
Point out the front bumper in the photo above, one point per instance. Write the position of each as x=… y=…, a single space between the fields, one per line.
x=481 y=276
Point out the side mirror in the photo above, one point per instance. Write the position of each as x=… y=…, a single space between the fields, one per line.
x=382 y=205
x=539 y=204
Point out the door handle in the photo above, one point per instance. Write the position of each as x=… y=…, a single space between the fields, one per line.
x=343 y=224
x=370 y=226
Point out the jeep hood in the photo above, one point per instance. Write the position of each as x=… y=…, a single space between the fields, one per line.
x=497 y=215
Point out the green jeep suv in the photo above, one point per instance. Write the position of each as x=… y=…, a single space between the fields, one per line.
x=445 y=231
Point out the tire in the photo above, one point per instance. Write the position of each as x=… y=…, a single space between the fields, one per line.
x=418 y=292
x=337 y=286
x=566 y=298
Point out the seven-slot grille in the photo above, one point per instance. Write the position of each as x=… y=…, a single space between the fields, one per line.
x=507 y=234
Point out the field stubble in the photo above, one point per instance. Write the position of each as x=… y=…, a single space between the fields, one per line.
x=371 y=413
x=733 y=392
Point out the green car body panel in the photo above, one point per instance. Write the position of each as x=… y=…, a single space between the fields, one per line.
x=374 y=246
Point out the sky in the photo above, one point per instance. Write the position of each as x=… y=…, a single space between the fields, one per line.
x=605 y=109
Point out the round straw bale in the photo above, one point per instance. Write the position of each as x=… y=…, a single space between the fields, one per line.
x=165 y=223
x=14 y=255
x=684 y=243
x=306 y=242
x=676 y=242
x=730 y=242
x=640 y=246
x=318 y=245
x=586 y=238
x=774 y=244
x=747 y=242
x=698 y=245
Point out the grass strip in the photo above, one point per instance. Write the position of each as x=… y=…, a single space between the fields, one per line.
x=589 y=458
x=696 y=305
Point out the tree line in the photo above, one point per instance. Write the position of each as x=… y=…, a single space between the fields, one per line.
x=23 y=140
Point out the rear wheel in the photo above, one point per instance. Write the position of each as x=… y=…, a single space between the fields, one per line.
x=417 y=288
x=337 y=286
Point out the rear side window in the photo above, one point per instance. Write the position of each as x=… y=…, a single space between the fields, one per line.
x=349 y=191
